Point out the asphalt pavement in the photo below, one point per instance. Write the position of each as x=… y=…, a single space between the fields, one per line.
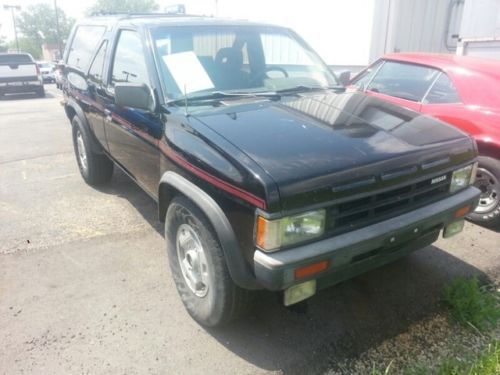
x=85 y=287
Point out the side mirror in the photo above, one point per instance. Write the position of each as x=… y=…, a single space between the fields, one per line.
x=134 y=95
x=344 y=77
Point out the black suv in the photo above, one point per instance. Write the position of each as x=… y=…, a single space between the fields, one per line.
x=268 y=175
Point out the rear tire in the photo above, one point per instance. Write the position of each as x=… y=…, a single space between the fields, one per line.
x=41 y=92
x=199 y=267
x=487 y=213
x=96 y=169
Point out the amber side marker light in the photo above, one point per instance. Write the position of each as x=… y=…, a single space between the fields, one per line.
x=461 y=212
x=312 y=269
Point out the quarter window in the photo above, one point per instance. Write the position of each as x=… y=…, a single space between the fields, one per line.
x=129 y=64
x=97 y=67
x=443 y=91
x=83 y=46
x=401 y=80
x=365 y=77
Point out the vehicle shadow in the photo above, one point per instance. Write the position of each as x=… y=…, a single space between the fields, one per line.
x=123 y=186
x=338 y=323
x=345 y=320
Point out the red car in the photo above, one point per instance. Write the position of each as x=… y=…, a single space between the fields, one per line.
x=462 y=91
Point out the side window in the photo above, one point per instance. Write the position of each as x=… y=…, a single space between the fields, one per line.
x=129 y=64
x=443 y=91
x=401 y=80
x=83 y=46
x=365 y=77
x=97 y=68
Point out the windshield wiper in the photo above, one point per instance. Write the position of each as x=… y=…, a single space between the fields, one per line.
x=220 y=95
x=304 y=88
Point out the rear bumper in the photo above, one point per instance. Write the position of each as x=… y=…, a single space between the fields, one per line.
x=23 y=87
x=358 y=251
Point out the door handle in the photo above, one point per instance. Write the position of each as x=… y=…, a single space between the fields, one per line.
x=108 y=115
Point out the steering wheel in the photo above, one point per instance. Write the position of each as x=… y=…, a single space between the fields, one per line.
x=263 y=74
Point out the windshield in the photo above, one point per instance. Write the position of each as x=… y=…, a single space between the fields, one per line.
x=205 y=59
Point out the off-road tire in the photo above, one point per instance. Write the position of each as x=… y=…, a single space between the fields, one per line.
x=224 y=301
x=490 y=218
x=99 y=168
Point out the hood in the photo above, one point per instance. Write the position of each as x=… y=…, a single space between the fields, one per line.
x=311 y=140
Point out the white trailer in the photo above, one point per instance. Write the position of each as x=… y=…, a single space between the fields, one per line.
x=480 y=29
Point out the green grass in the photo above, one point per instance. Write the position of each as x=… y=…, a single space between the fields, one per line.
x=471 y=304
x=488 y=363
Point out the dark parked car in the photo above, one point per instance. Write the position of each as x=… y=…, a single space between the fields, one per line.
x=460 y=90
x=19 y=74
x=267 y=175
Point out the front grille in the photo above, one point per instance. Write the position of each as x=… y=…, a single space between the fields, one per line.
x=359 y=212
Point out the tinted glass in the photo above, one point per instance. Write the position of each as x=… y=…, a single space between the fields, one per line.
x=442 y=92
x=84 y=45
x=15 y=58
x=129 y=64
x=96 y=69
x=406 y=81
x=362 y=80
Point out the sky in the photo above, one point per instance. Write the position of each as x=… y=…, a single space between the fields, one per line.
x=339 y=38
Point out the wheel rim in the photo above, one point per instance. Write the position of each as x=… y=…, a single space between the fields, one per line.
x=192 y=260
x=489 y=185
x=82 y=152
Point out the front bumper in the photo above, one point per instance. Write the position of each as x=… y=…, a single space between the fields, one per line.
x=355 y=252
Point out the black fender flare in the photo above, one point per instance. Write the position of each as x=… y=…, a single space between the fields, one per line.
x=73 y=106
x=238 y=268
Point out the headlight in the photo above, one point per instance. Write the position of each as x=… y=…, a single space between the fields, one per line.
x=273 y=234
x=463 y=177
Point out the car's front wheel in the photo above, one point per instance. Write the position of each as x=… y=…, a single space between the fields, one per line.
x=199 y=268
x=488 y=181
x=96 y=169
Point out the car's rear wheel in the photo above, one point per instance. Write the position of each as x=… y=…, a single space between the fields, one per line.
x=199 y=268
x=40 y=92
x=96 y=169
x=488 y=181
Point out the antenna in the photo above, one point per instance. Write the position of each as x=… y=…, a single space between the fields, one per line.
x=185 y=101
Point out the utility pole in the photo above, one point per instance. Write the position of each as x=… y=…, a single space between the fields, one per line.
x=12 y=8
x=58 y=31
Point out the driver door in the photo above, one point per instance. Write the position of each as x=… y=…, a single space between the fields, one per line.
x=132 y=134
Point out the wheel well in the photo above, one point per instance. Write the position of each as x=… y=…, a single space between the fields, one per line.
x=165 y=195
x=488 y=149
x=70 y=112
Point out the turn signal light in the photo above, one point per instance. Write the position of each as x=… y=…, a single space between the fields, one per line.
x=312 y=269
x=461 y=212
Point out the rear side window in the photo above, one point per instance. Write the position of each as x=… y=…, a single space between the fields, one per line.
x=15 y=59
x=129 y=64
x=443 y=91
x=84 y=45
x=406 y=81
x=97 y=67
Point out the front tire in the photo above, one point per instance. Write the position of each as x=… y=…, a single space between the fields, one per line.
x=487 y=212
x=199 y=267
x=96 y=169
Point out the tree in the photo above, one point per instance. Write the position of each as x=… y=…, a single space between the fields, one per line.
x=28 y=45
x=3 y=44
x=123 y=6
x=37 y=25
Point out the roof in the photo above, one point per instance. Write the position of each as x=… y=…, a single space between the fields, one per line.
x=161 y=19
x=449 y=62
x=477 y=79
